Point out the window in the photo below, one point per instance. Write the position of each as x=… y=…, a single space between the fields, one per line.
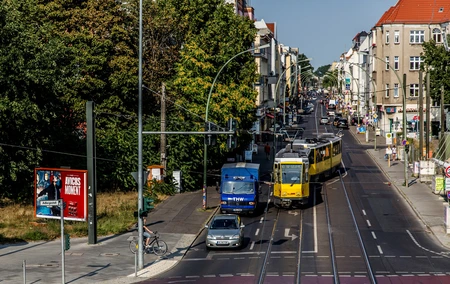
x=387 y=37
x=396 y=62
x=387 y=62
x=414 y=90
x=396 y=90
x=437 y=35
x=416 y=36
x=396 y=36
x=386 y=91
x=414 y=62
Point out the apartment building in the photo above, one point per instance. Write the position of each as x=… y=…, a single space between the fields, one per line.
x=395 y=48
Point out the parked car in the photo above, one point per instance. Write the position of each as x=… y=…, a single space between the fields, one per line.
x=331 y=113
x=335 y=120
x=355 y=120
x=342 y=123
x=225 y=231
x=324 y=120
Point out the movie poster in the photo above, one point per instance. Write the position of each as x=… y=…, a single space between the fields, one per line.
x=66 y=184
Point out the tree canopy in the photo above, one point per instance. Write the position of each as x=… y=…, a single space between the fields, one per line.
x=57 y=55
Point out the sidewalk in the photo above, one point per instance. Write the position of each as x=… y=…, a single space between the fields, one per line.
x=180 y=220
x=428 y=206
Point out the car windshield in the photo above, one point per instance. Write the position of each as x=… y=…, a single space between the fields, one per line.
x=224 y=224
x=234 y=187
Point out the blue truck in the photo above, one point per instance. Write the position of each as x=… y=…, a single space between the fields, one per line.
x=239 y=188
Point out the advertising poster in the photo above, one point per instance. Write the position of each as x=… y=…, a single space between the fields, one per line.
x=66 y=184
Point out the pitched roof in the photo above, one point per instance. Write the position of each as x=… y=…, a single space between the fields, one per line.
x=417 y=12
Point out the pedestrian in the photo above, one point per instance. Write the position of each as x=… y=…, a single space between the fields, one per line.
x=267 y=151
x=388 y=153
x=394 y=153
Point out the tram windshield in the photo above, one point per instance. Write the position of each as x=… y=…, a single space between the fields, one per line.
x=233 y=187
x=292 y=174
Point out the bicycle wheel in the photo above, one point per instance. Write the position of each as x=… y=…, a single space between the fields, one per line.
x=134 y=246
x=159 y=247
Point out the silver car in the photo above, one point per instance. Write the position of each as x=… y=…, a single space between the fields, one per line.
x=225 y=231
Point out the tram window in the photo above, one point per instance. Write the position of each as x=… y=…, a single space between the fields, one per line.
x=311 y=156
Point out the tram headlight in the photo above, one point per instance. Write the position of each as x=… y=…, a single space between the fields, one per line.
x=284 y=193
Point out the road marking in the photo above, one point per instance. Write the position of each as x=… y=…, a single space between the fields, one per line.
x=252 y=245
x=373 y=235
x=261 y=220
x=226 y=275
x=380 y=250
x=257 y=232
x=417 y=244
x=295 y=213
x=368 y=223
x=405 y=256
x=364 y=212
x=286 y=234
x=192 y=276
x=355 y=256
x=208 y=275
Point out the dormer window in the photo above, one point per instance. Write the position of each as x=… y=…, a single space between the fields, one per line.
x=441 y=9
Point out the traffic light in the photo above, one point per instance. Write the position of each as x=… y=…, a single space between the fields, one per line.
x=148 y=204
x=210 y=139
x=232 y=138
x=66 y=241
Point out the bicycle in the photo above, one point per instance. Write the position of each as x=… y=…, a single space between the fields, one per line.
x=156 y=245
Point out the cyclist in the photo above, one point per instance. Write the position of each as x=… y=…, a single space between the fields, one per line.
x=147 y=232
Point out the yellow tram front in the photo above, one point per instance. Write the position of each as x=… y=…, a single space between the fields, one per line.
x=291 y=182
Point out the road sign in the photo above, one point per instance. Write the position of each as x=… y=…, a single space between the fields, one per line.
x=375 y=120
x=389 y=138
x=447 y=172
x=49 y=203
x=375 y=116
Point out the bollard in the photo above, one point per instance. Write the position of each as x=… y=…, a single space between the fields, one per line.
x=24 y=268
x=135 y=263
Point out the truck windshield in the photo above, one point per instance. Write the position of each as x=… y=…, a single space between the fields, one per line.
x=234 y=187
x=292 y=174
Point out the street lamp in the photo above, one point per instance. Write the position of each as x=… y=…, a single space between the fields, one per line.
x=205 y=149
x=402 y=82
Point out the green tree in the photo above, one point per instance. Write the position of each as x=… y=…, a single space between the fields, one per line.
x=437 y=61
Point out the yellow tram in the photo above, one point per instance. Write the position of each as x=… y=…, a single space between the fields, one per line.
x=300 y=162
x=291 y=178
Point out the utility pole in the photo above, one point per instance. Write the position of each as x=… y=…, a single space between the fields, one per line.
x=421 y=124
x=428 y=110
x=442 y=138
x=163 y=127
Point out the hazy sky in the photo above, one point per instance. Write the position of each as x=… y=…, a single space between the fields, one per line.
x=321 y=29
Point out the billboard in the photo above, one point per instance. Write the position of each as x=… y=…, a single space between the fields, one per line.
x=66 y=184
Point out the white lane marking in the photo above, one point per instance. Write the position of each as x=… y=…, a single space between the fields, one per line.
x=271 y=193
x=368 y=223
x=239 y=258
x=261 y=220
x=245 y=274
x=374 y=236
x=405 y=256
x=380 y=250
x=364 y=212
x=209 y=275
x=252 y=245
x=226 y=275
x=417 y=244
x=192 y=276
x=257 y=232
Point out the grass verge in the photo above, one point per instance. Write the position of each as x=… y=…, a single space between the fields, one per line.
x=114 y=216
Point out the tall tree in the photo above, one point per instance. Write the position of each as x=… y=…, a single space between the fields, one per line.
x=437 y=61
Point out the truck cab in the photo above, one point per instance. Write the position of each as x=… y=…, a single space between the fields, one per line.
x=239 y=188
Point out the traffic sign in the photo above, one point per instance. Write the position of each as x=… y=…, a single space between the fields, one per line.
x=447 y=171
x=49 y=203
x=375 y=115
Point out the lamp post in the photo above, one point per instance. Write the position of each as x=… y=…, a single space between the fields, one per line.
x=403 y=84
x=275 y=105
x=205 y=149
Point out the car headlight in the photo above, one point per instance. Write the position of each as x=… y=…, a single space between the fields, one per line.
x=235 y=237
x=223 y=202
x=251 y=203
x=210 y=237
